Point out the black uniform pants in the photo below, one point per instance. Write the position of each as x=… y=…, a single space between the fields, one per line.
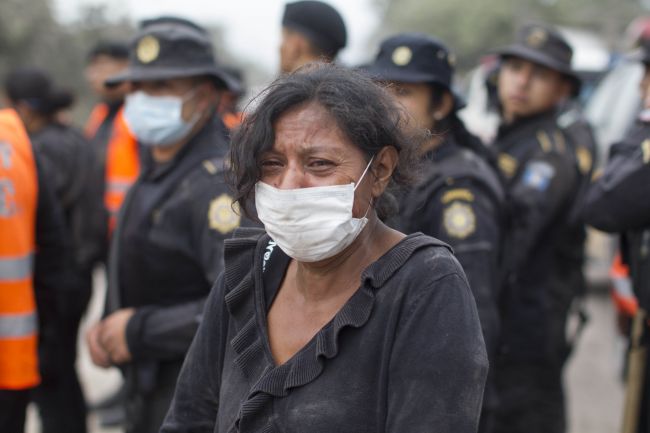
x=59 y=397
x=12 y=410
x=531 y=398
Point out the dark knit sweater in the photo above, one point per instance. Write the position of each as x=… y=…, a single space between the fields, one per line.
x=404 y=354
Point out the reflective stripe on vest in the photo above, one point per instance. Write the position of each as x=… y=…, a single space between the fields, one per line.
x=18 y=325
x=18 y=201
x=122 y=167
x=18 y=268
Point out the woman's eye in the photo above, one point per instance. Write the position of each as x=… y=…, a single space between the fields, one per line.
x=320 y=163
x=270 y=163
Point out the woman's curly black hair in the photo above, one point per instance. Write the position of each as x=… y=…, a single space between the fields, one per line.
x=362 y=109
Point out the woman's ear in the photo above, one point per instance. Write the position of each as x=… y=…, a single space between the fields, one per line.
x=382 y=169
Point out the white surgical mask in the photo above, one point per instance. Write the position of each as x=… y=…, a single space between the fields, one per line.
x=310 y=224
x=157 y=120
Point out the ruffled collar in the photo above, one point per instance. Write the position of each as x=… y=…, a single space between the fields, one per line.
x=245 y=303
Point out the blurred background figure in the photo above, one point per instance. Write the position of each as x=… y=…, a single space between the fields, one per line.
x=117 y=152
x=459 y=198
x=618 y=202
x=167 y=247
x=544 y=246
x=117 y=163
x=68 y=162
x=312 y=31
x=33 y=270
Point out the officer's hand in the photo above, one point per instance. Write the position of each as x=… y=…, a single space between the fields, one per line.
x=98 y=354
x=113 y=335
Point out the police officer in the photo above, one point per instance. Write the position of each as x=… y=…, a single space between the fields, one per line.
x=33 y=263
x=543 y=250
x=311 y=31
x=167 y=247
x=459 y=197
x=617 y=202
x=68 y=160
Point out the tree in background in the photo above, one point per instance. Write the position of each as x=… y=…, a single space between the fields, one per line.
x=472 y=28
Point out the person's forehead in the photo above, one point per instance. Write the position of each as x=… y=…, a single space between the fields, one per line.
x=305 y=126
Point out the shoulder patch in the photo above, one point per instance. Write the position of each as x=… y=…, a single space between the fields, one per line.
x=457 y=194
x=507 y=164
x=459 y=220
x=223 y=215
x=538 y=175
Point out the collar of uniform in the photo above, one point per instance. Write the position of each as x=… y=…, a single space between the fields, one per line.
x=526 y=124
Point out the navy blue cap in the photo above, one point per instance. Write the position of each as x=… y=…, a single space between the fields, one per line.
x=172 y=47
x=318 y=22
x=542 y=45
x=415 y=58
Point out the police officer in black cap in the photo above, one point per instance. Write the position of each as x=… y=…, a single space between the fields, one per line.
x=311 y=31
x=459 y=197
x=167 y=247
x=618 y=202
x=543 y=169
x=67 y=160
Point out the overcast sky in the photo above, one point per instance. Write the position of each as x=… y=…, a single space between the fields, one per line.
x=252 y=27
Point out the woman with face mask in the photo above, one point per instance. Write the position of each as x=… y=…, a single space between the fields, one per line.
x=329 y=320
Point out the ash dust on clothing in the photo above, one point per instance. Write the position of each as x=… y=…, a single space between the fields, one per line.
x=403 y=354
x=167 y=252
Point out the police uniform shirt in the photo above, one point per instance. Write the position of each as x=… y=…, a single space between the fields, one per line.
x=459 y=201
x=542 y=182
x=169 y=244
x=619 y=201
x=404 y=349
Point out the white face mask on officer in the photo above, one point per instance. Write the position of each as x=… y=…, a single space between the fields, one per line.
x=310 y=224
x=158 y=120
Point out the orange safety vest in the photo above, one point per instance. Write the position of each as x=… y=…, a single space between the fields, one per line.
x=18 y=201
x=122 y=160
x=232 y=120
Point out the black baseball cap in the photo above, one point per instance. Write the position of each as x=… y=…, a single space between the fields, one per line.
x=415 y=58
x=545 y=46
x=35 y=87
x=318 y=22
x=172 y=47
